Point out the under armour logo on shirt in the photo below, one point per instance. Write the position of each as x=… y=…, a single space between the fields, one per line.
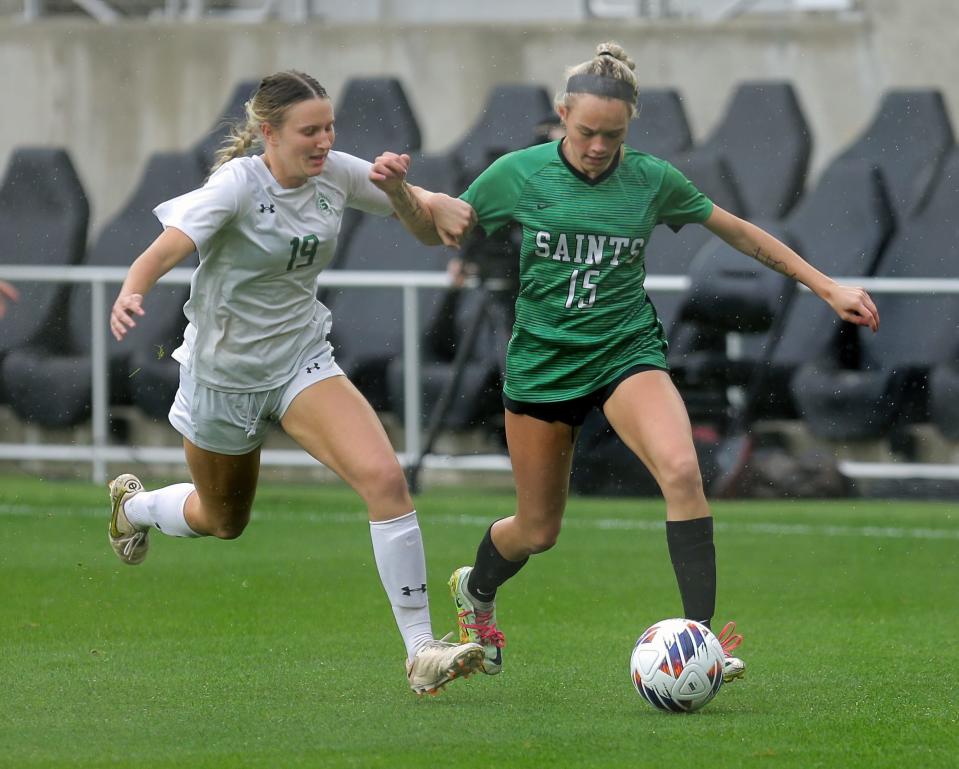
x=410 y=590
x=264 y=208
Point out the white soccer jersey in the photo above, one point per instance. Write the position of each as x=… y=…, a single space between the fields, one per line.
x=253 y=310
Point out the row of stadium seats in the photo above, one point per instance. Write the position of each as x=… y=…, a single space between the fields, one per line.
x=883 y=207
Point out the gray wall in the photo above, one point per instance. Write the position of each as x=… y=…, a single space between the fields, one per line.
x=114 y=94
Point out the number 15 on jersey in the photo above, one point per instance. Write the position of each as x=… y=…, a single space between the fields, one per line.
x=582 y=279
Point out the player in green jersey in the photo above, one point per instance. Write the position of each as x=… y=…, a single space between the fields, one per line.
x=586 y=335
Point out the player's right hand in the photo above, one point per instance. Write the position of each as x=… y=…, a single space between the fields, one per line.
x=389 y=170
x=122 y=315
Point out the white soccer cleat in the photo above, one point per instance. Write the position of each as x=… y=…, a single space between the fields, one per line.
x=439 y=662
x=729 y=639
x=733 y=668
x=128 y=542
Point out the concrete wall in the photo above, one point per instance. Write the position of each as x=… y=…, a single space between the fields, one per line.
x=114 y=94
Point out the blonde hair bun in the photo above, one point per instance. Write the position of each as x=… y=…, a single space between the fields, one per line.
x=616 y=51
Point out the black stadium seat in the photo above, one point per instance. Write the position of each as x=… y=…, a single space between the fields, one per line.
x=50 y=385
x=907 y=139
x=888 y=387
x=764 y=137
x=672 y=253
x=234 y=111
x=840 y=227
x=660 y=127
x=729 y=293
x=753 y=165
x=374 y=115
x=44 y=216
x=507 y=122
x=368 y=322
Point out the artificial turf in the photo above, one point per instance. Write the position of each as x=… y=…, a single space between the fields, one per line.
x=279 y=649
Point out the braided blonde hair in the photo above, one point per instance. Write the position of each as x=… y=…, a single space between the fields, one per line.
x=274 y=96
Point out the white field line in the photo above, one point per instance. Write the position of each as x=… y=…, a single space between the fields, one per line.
x=571 y=522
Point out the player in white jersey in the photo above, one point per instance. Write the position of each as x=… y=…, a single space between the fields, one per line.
x=255 y=350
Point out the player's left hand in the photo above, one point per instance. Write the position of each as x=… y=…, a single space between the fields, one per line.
x=853 y=304
x=389 y=171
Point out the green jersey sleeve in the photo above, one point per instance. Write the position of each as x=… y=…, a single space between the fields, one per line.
x=495 y=193
x=679 y=201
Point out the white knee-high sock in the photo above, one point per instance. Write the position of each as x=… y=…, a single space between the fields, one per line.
x=161 y=509
x=401 y=562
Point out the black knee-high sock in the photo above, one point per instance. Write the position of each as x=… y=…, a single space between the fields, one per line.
x=490 y=570
x=693 y=555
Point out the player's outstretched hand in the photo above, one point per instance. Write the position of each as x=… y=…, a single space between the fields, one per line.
x=452 y=217
x=389 y=171
x=853 y=304
x=121 y=316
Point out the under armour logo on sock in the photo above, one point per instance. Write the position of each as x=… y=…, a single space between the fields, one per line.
x=315 y=367
x=410 y=590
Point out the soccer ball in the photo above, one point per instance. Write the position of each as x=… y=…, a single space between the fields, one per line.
x=677 y=665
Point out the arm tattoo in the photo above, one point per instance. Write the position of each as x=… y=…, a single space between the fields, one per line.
x=776 y=264
x=409 y=210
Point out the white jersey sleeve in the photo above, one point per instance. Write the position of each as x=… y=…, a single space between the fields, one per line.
x=202 y=213
x=361 y=193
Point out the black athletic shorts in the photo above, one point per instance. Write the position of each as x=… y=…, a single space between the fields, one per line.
x=573 y=412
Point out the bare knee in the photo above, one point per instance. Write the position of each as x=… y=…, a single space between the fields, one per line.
x=383 y=485
x=224 y=522
x=679 y=475
x=230 y=529
x=541 y=538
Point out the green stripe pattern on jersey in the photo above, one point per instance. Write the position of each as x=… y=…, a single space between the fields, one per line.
x=582 y=314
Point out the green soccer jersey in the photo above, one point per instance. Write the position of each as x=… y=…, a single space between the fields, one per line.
x=582 y=314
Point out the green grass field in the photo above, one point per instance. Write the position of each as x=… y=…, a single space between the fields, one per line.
x=279 y=650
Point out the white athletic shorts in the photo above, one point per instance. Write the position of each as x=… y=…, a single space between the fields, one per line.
x=236 y=423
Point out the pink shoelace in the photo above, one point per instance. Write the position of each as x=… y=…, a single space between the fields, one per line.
x=729 y=639
x=487 y=631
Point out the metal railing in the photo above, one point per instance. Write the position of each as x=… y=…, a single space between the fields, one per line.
x=112 y=11
x=99 y=278
x=706 y=10
x=99 y=451
x=299 y=11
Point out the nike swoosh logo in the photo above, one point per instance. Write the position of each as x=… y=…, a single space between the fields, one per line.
x=541 y=206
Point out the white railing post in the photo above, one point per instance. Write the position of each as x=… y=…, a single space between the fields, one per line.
x=99 y=362
x=412 y=407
